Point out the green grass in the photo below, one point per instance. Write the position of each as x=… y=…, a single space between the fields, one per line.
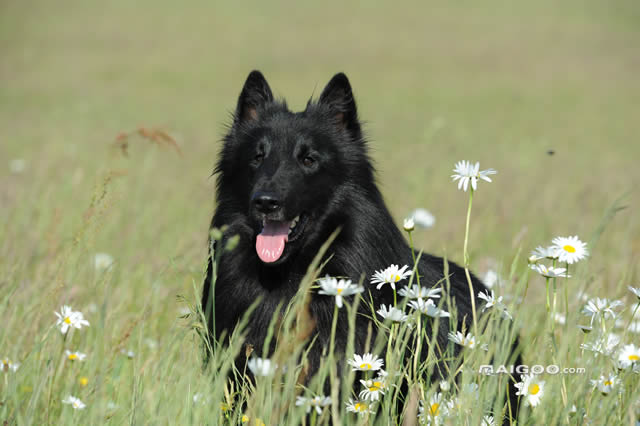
x=496 y=82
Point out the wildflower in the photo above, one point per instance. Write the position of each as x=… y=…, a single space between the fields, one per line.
x=445 y=386
x=570 y=249
x=423 y=218
x=256 y=422
x=586 y=329
x=531 y=388
x=102 y=261
x=601 y=307
x=636 y=291
x=540 y=253
x=128 y=353
x=392 y=313
x=224 y=407
x=360 y=407
x=488 y=421
x=366 y=362
x=491 y=301
x=435 y=410
x=418 y=292
x=466 y=173
x=74 y=402
x=68 y=318
x=261 y=366
x=491 y=279
x=409 y=225
x=605 y=384
x=628 y=356
x=317 y=402
x=391 y=276
x=83 y=381
x=429 y=308
x=74 y=356
x=468 y=341
x=549 y=271
x=604 y=345
x=338 y=288
x=7 y=365
x=373 y=389
x=560 y=318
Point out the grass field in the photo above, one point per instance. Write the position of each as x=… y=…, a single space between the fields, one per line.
x=502 y=83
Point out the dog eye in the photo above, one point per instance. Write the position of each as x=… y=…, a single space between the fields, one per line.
x=258 y=158
x=308 y=161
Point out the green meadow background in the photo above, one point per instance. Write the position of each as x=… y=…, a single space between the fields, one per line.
x=545 y=92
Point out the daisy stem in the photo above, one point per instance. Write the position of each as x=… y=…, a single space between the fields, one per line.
x=548 y=303
x=553 y=313
x=333 y=329
x=466 y=265
x=633 y=314
x=566 y=294
x=413 y=255
x=418 y=348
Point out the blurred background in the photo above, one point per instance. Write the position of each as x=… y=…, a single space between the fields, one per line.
x=545 y=92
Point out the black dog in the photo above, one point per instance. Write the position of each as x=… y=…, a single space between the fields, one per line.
x=286 y=181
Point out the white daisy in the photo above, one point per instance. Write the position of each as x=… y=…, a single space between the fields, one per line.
x=74 y=402
x=429 y=308
x=6 y=365
x=338 y=288
x=317 y=402
x=601 y=308
x=466 y=173
x=586 y=329
x=74 y=356
x=435 y=411
x=549 y=271
x=531 y=388
x=491 y=301
x=373 y=389
x=68 y=318
x=102 y=261
x=570 y=249
x=392 y=313
x=261 y=366
x=391 y=276
x=366 y=362
x=408 y=224
x=444 y=385
x=360 y=407
x=540 y=253
x=605 y=384
x=128 y=353
x=628 y=356
x=423 y=218
x=418 y=292
x=491 y=279
x=604 y=345
x=468 y=341
x=488 y=421
x=636 y=291
x=560 y=318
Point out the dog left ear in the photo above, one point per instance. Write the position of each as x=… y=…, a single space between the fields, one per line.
x=255 y=94
x=337 y=95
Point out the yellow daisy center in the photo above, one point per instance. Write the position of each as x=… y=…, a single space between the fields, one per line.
x=395 y=278
x=67 y=320
x=434 y=409
x=340 y=290
x=634 y=357
x=608 y=383
x=83 y=381
x=376 y=386
x=569 y=249
x=365 y=366
x=73 y=357
x=359 y=406
x=534 y=389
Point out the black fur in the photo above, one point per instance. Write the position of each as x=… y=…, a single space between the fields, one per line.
x=265 y=151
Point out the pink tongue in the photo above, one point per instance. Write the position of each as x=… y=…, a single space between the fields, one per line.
x=270 y=242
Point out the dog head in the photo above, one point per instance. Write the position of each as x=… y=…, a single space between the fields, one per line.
x=288 y=174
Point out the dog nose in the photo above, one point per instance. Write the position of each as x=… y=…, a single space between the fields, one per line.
x=266 y=202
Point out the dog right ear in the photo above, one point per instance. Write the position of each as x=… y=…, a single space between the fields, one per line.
x=255 y=94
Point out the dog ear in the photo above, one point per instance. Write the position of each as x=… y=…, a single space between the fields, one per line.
x=338 y=97
x=255 y=94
